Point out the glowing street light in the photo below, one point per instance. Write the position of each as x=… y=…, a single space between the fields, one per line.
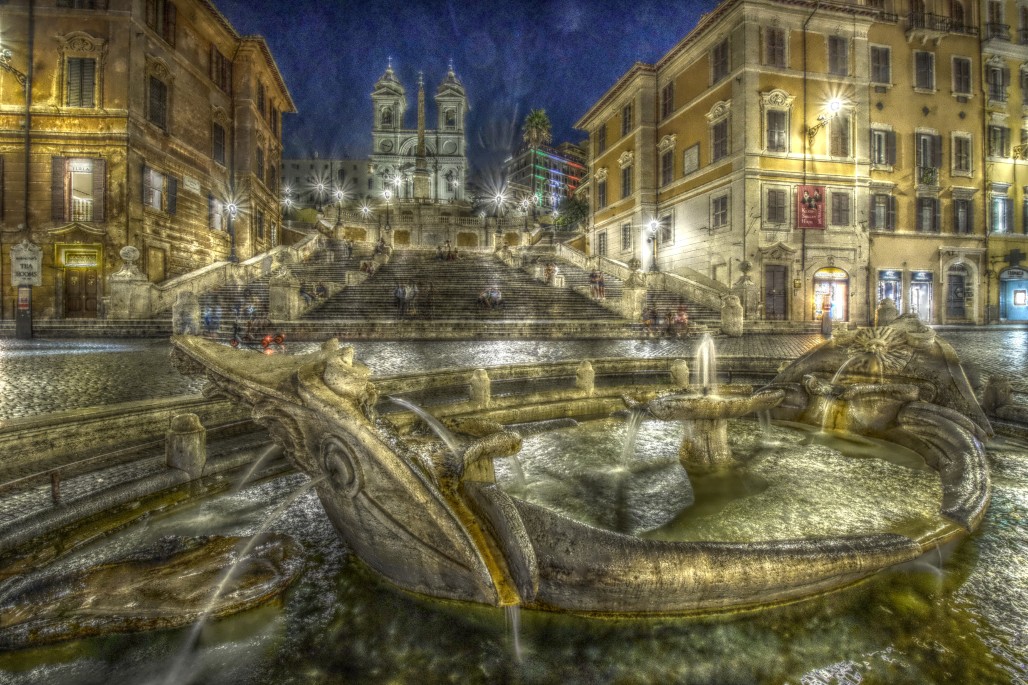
x=233 y=210
x=339 y=196
x=652 y=228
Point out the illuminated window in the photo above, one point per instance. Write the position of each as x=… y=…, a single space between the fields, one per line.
x=78 y=189
x=1020 y=298
x=160 y=191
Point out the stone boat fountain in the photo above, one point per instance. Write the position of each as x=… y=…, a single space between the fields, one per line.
x=432 y=519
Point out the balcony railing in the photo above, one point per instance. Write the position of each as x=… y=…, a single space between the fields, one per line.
x=937 y=23
x=81 y=209
x=927 y=175
x=997 y=31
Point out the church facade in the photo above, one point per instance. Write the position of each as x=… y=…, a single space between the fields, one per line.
x=419 y=163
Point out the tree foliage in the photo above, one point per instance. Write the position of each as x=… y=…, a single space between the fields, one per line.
x=536 y=129
x=571 y=213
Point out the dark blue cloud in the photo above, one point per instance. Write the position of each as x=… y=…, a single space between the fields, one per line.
x=512 y=56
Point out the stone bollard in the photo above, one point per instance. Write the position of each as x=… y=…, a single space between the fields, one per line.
x=680 y=373
x=129 y=290
x=886 y=312
x=731 y=316
x=481 y=388
x=185 y=314
x=585 y=378
x=633 y=296
x=186 y=445
x=997 y=393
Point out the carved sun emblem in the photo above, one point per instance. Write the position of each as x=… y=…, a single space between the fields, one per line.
x=879 y=350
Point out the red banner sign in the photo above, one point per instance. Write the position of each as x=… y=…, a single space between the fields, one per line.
x=810 y=207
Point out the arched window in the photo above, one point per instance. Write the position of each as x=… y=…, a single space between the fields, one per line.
x=387 y=116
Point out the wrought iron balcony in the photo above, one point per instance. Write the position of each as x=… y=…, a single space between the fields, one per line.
x=997 y=31
x=928 y=175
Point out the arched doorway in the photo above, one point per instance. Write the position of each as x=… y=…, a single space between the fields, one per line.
x=831 y=294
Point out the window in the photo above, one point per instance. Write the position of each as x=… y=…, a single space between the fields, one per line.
x=262 y=102
x=160 y=16
x=719 y=140
x=995 y=28
x=601 y=243
x=838 y=56
x=924 y=70
x=218 y=143
x=1002 y=211
x=883 y=212
x=775 y=206
x=387 y=117
x=999 y=141
x=667 y=100
x=160 y=191
x=667 y=167
x=962 y=218
x=157 y=104
x=215 y=213
x=839 y=136
x=601 y=194
x=881 y=65
x=998 y=79
x=962 y=154
x=927 y=215
x=961 y=76
x=626 y=237
x=450 y=119
x=928 y=152
x=83 y=4
x=626 y=119
x=221 y=70
x=601 y=139
x=883 y=147
x=1024 y=88
x=272 y=181
x=78 y=189
x=774 y=47
x=80 y=84
x=626 y=182
x=840 y=209
x=666 y=226
x=259 y=166
x=258 y=222
x=719 y=212
x=720 y=63
x=777 y=138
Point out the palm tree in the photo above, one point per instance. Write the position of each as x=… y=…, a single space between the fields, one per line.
x=537 y=128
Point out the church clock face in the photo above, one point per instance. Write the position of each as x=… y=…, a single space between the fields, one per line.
x=449 y=147
x=386 y=146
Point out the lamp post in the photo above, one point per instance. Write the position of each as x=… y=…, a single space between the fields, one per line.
x=387 y=195
x=652 y=228
x=365 y=213
x=834 y=105
x=339 y=195
x=233 y=210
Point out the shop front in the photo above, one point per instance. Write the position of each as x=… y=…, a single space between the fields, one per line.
x=890 y=287
x=1013 y=294
x=831 y=294
x=920 y=298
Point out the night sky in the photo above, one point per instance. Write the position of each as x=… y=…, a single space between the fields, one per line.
x=511 y=55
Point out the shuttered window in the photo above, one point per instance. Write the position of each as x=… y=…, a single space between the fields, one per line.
x=160 y=191
x=160 y=16
x=157 y=107
x=218 y=143
x=883 y=212
x=776 y=206
x=80 y=82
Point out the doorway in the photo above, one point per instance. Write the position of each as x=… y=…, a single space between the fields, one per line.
x=80 y=293
x=775 y=303
x=156 y=268
x=921 y=283
x=831 y=294
x=956 y=292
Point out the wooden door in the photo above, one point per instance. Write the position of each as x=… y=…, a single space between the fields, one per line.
x=155 y=265
x=81 y=293
x=775 y=304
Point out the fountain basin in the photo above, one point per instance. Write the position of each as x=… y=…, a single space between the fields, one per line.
x=420 y=517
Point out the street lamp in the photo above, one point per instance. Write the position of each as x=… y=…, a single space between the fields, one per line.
x=339 y=195
x=233 y=210
x=652 y=228
x=387 y=194
x=319 y=187
x=834 y=106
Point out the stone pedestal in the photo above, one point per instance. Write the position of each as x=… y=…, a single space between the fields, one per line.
x=749 y=295
x=186 y=445
x=558 y=281
x=585 y=378
x=129 y=290
x=481 y=388
x=185 y=314
x=732 y=316
x=680 y=373
x=284 y=302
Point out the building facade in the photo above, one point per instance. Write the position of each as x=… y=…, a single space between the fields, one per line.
x=546 y=174
x=317 y=182
x=824 y=157
x=151 y=124
x=395 y=149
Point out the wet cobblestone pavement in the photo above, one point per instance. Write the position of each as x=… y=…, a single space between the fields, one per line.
x=44 y=376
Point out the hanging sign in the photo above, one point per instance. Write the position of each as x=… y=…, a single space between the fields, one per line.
x=810 y=207
x=26 y=264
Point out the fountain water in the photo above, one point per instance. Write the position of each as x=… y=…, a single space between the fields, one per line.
x=270 y=452
x=706 y=365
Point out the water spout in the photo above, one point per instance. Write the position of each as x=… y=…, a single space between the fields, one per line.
x=271 y=452
x=442 y=431
x=706 y=365
x=174 y=675
x=635 y=418
x=513 y=612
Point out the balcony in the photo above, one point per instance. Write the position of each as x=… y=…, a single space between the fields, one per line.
x=997 y=32
x=928 y=26
x=81 y=209
x=927 y=175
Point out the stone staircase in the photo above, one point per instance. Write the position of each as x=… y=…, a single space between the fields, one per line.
x=449 y=291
